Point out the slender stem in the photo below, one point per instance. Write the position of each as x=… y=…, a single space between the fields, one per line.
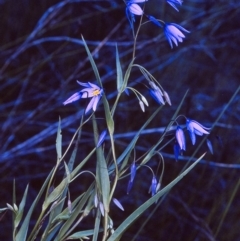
x=135 y=38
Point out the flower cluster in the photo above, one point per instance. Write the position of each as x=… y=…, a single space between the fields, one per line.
x=194 y=128
x=160 y=96
x=173 y=32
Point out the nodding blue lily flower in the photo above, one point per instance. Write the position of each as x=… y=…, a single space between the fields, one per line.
x=173 y=3
x=156 y=93
x=173 y=33
x=91 y=91
x=196 y=128
x=154 y=186
x=133 y=9
x=180 y=138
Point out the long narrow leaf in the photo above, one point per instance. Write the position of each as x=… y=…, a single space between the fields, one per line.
x=119 y=72
x=94 y=67
x=21 y=208
x=102 y=171
x=59 y=141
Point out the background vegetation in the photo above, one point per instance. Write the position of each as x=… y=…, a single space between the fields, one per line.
x=42 y=56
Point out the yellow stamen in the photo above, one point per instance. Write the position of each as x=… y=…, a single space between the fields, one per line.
x=96 y=92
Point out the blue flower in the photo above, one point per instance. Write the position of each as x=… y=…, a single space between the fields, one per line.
x=173 y=33
x=180 y=138
x=91 y=91
x=156 y=93
x=133 y=9
x=174 y=2
x=196 y=128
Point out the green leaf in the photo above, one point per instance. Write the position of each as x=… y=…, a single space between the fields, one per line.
x=55 y=194
x=21 y=209
x=127 y=74
x=81 y=234
x=96 y=225
x=59 y=141
x=67 y=172
x=136 y=214
x=119 y=72
x=109 y=118
x=108 y=115
x=102 y=171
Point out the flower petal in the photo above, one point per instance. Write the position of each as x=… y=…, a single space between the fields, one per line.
x=84 y=84
x=173 y=33
x=90 y=105
x=73 y=98
x=180 y=138
x=135 y=9
x=118 y=204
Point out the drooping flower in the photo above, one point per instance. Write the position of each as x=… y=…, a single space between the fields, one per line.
x=156 y=93
x=133 y=9
x=91 y=91
x=173 y=3
x=173 y=33
x=196 y=128
x=180 y=138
